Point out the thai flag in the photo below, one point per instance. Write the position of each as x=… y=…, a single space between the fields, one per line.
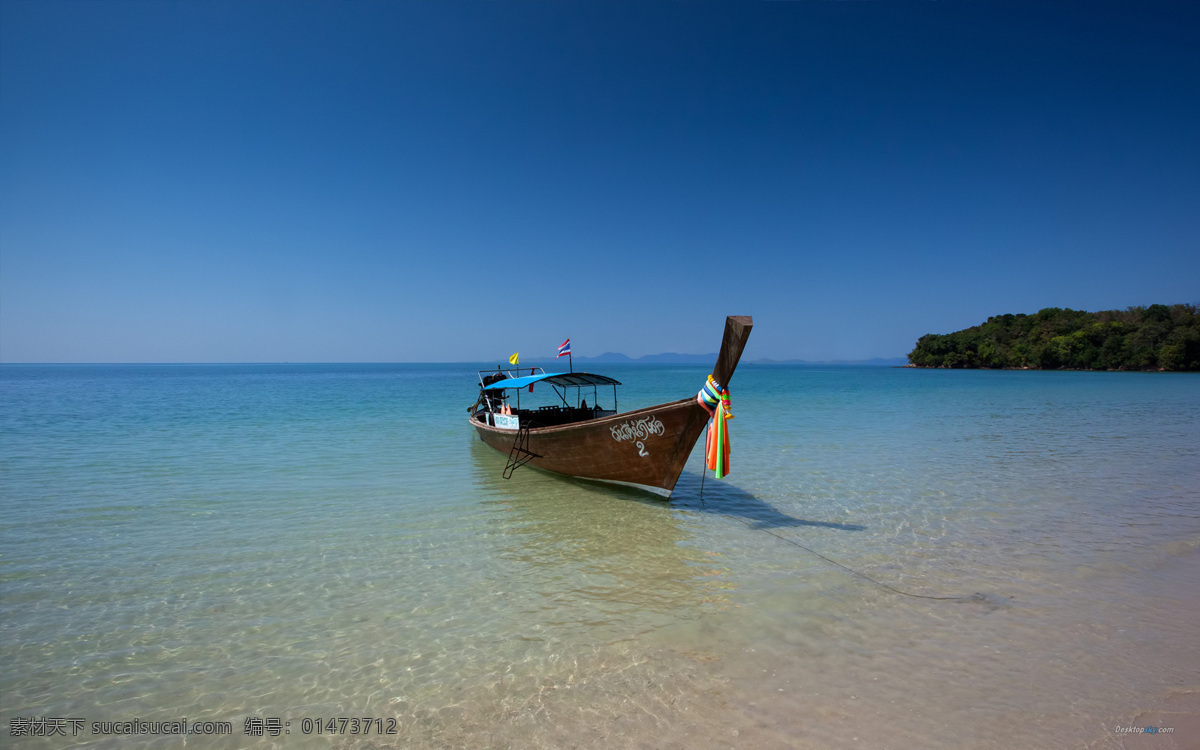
x=565 y=349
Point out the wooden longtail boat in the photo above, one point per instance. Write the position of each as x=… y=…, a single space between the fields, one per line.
x=645 y=448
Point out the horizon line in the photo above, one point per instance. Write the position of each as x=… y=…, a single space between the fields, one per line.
x=632 y=361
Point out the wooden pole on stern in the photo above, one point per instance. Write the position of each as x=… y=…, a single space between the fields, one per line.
x=737 y=332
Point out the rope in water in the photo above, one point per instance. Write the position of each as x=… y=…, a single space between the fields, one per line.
x=973 y=597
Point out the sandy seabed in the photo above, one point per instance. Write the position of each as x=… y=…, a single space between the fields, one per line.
x=1043 y=669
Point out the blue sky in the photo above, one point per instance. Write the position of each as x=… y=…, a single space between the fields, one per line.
x=422 y=181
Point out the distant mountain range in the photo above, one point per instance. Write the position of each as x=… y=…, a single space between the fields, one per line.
x=873 y=362
x=671 y=358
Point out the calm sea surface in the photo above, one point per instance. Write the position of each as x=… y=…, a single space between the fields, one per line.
x=290 y=544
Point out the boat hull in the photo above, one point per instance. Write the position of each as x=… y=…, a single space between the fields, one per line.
x=646 y=448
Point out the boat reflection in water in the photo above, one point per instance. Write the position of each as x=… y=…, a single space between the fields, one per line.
x=599 y=556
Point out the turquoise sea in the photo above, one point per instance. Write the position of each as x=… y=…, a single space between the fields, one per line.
x=275 y=546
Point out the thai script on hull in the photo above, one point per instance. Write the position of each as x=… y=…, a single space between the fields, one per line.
x=642 y=428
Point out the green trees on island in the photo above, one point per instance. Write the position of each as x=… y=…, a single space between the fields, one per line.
x=1157 y=337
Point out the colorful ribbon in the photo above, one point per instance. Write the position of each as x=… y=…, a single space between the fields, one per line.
x=715 y=400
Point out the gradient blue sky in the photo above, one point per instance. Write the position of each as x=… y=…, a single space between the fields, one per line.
x=425 y=181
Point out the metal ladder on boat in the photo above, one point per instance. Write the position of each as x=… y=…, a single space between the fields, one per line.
x=520 y=453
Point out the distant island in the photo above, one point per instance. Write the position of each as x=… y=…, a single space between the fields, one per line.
x=1158 y=337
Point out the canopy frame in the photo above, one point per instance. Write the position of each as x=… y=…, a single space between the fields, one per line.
x=560 y=381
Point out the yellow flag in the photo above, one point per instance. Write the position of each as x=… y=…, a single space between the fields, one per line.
x=513 y=360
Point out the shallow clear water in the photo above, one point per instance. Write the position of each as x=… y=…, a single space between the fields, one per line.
x=315 y=541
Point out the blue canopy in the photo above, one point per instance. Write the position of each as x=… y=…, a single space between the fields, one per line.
x=554 y=378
